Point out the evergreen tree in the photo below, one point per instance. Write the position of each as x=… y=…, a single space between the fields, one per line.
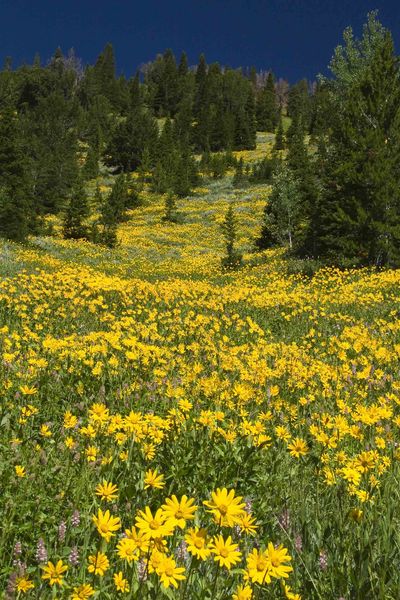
x=320 y=115
x=170 y=84
x=133 y=199
x=98 y=197
x=145 y=166
x=213 y=113
x=52 y=145
x=185 y=175
x=253 y=77
x=112 y=212
x=167 y=159
x=171 y=209
x=166 y=142
x=250 y=108
x=104 y=74
x=201 y=86
x=186 y=78
x=215 y=165
x=303 y=168
x=299 y=103
x=162 y=80
x=357 y=220
x=161 y=180
x=108 y=235
x=135 y=94
x=282 y=211
x=16 y=214
x=297 y=156
x=183 y=120
x=232 y=259
x=279 y=143
x=91 y=166
x=183 y=69
x=118 y=199
x=131 y=137
x=76 y=213
x=267 y=106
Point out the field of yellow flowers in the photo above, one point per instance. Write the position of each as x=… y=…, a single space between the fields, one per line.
x=168 y=430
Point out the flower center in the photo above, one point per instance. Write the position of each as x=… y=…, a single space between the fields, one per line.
x=224 y=552
x=261 y=564
x=223 y=509
x=154 y=524
x=179 y=514
x=169 y=571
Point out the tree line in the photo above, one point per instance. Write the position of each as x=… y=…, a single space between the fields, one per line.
x=59 y=120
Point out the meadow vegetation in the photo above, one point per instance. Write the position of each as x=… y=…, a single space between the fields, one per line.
x=249 y=416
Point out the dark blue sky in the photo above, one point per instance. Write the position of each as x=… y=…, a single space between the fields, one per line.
x=295 y=38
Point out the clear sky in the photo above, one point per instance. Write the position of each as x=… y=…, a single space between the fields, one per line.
x=295 y=38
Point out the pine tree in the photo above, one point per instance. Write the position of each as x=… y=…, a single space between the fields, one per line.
x=320 y=115
x=299 y=103
x=183 y=120
x=135 y=94
x=282 y=211
x=108 y=236
x=186 y=81
x=297 y=156
x=232 y=259
x=104 y=74
x=201 y=86
x=169 y=84
x=91 y=166
x=303 y=168
x=183 y=68
x=145 y=167
x=267 y=106
x=52 y=145
x=16 y=214
x=131 y=137
x=76 y=213
x=186 y=175
x=201 y=108
x=171 y=209
x=216 y=165
x=167 y=159
x=253 y=77
x=134 y=199
x=98 y=197
x=250 y=108
x=358 y=217
x=161 y=180
x=279 y=143
x=118 y=199
x=112 y=212
x=214 y=108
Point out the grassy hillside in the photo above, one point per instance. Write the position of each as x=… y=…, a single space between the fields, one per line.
x=119 y=363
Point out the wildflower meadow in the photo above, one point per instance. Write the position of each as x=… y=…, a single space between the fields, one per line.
x=170 y=430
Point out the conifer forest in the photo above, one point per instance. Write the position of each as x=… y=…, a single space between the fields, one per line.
x=199 y=328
